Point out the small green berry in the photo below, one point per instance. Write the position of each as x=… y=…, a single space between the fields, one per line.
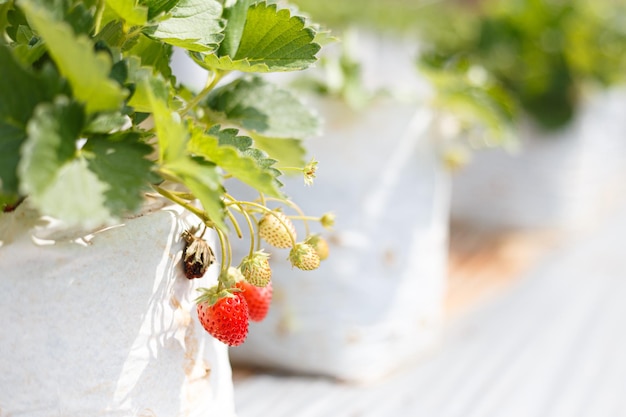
x=304 y=256
x=319 y=244
x=256 y=269
x=277 y=229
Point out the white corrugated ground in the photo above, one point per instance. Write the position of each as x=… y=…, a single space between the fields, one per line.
x=553 y=346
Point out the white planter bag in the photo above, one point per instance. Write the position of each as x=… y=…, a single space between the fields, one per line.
x=107 y=328
x=376 y=302
x=565 y=180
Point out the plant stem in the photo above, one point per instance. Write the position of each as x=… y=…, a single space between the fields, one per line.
x=195 y=210
x=233 y=220
x=268 y=211
x=98 y=16
x=135 y=30
x=216 y=76
x=251 y=227
x=301 y=216
x=234 y=202
x=226 y=258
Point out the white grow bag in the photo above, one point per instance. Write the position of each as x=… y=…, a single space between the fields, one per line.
x=376 y=302
x=564 y=180
x=106 y=329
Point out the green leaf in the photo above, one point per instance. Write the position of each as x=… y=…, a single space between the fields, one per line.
x=59 y=183
x=484 y=105
x=276 y=38
x=260 y=106
x=27 y=54
x=172 y=134
x=112 y=34
x=195 y=25
x=200 y=177
x=120 y=162
x=225 y=63
x=11 y=139
x=52 y=134
x=21 y=92
x=235 y=16
x=106 y=123
x=271 y=40
x=14 y=19
x=205 y=182
x=78 y=16
x=129 y=11
x=5 y=6
x=234 y=154
x=148 y=86
x=86 y=70
x=153 y=54
x=157 y=7
x=288 y=152
x=76 y=196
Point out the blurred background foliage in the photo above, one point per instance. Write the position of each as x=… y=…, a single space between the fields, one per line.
x=496 y=60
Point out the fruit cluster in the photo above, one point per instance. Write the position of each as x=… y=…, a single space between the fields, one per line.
x=244 y=292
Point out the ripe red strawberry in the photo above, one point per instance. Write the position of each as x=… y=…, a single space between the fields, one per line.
x=197 y=256
x=258 y=299
x=319 y=244
x=256 y=268
x=304 y=256
x=274 y=232
x=224 y=315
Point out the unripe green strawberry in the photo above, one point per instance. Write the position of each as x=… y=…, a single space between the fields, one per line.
x=256 y=269
x=304 y=256
x=328 y=220
x=319 y=244
x=258 y=299
x=224 y=315
x=274 y=232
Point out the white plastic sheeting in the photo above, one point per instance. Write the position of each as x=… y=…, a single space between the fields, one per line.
x=377 y=300
x=106 y=328
x=563 y=180
x=551 y=346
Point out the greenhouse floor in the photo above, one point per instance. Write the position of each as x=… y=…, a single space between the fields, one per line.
x=536 y=328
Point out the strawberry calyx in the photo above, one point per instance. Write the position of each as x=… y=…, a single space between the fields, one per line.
x=211 y=295
x=224 y=314
x=303 y=256
x=319 y=244
x=230 y=277
x=256 y=269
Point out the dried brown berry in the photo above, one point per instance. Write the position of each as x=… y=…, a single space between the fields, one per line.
x=197 y=256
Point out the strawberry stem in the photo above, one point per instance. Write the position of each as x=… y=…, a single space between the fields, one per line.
x=234 y=202
x=246 y=216
x=233 y=220
x=195 y=210
x=297 y=208
x=215 y=77
x=251 y=227
x=98 y=16
x=226 y=255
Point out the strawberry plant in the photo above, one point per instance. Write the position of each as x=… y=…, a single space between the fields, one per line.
x=92 y=117
x=543 y=54
x=492 y=61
